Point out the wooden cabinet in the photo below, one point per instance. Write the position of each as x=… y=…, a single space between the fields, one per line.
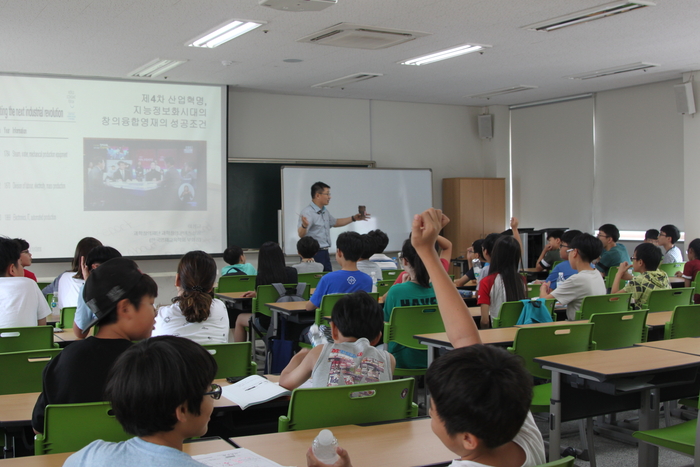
x=476 y=207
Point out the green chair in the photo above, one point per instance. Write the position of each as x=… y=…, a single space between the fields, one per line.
x=619 y=329
x=23 y=370
x=26 y=338
x=233 y=359
x=610 y=276
x=327 y=303
x=533 y=290
x=67 y=315
x=669 y=299
x=266 y=294
x=384 y=286
x=236 y=284
x=681 y=438
x=407 y=321
x=349 y=405
x=539 y=341
x=555 y=264
x=603 y=304
x=671 y=268
x=391 y=274
x=563 y=462
x=311 y=278
x=42 y=285
x=70 y=427
x=509 y=313
x=685 y=322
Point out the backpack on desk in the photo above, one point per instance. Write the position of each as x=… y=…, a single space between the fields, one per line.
x=290 y=295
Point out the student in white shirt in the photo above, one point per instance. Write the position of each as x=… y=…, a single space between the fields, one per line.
x=668 y=236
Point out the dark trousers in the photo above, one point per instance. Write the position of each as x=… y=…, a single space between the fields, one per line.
x=324 y=258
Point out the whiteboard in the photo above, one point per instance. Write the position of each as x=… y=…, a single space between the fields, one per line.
x=392 y=197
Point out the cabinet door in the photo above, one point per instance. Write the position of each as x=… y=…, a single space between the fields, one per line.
x=494 y=196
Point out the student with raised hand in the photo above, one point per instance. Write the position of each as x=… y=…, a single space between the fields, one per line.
x=550 y=253
x=161 y=392
x=473 y=252
x=564 y=267
x=645 y=261
x=195 y=313
x=668 y=236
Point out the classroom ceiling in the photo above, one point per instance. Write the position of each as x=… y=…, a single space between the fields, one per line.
x=111 y=38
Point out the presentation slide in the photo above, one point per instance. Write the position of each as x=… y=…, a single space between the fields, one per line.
x=390 y=196
x=138 y=165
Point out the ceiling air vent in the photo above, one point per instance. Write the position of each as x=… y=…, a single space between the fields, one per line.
x=345 y=80
x=355 y=36
x=500 y=92
x=613 y=71
x=599 y=12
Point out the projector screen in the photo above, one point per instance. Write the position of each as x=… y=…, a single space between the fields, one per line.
x=391 y=197
x=140 y=166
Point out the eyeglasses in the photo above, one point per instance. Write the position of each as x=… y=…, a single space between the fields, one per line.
x=570 y=250
x=215 y=392
x=635 y=259
x=563 y=246
x=661 y=234
x=601 y=235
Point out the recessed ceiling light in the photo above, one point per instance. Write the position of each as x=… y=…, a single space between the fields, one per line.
x=345 y=80
x=500 y=92
x=445 y=54
x=613 y=71
x=599 y=12
x=155 y=67
x=225 y=33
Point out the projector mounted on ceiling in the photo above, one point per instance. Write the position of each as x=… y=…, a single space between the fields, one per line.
x=298 y=5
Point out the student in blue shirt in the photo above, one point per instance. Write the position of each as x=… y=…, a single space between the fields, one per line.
x=563 y=267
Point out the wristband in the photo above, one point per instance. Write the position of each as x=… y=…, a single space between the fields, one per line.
x=353 y=218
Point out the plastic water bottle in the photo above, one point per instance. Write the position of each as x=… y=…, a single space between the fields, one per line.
x=316 y=337
x=324 y=447
x=54 y=303
x=560 y=279
x=374 y=280
x=476 y=265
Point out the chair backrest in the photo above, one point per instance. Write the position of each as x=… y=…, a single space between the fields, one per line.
x=610 y=276
x=67 y=316
x=510 y=312
x=533 y=290
x=384 y=286
x=685 y=322
x=232 y=359
x=70 y=427
x=407 y=321
x=22 y=371
x=349 y=405
x=669 y=299
x=619 y=329
x=311 y=278
x=236 y=284
x=539 y=341
x=26 y=338
x=391 y=274
x=671 y=268
x=603 y=304
x=268 y=294
x=327 y=303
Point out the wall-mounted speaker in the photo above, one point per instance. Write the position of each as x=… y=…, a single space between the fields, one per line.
x=685 y=101
x=486 y=126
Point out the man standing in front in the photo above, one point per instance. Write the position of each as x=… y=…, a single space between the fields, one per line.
x=316 y=221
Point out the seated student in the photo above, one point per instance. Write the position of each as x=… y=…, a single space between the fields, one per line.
x=307 y=247
x=473 y=252
x=25 y=258
x=486 y=249
x=550 y=253
x=504 y=283
x=348 y=278
x=195 y=313
x=691 y=268
x=83 y=315
x=21 y=301
x=444 y=246
x=122 y=298
x=668 y=236
x=481 y=415
x=564 y=267
x=161 y=392
x=356 y=326
x=272 y=269
x=651 y=236
x=382 y=241
x=646 y=262
x=613 y=253
x=369 y=246
x=587 y=281
x=68 y=284
x=236 y=259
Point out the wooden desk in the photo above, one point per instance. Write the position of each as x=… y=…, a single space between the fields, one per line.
x=232 y=296
x=658 y=318
x=396 y=444
x=689 y=345
x=602 y=381
x=56 y=460
x=438 y=340
x=676 y=282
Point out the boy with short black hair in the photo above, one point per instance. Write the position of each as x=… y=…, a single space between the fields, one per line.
x=237 y=266
x=307 y=247
x=21 y=301
x=651 y=236
x=356 y=326
x=564 y=266
x=348 y=278
x=369 y=247
x=550 y=253
x=382 y=241
x=587 y=281
x=646 y=260
x=668 y=236
x=25 y=258
x=161 y=392
x=613 y=253
x=121 y=297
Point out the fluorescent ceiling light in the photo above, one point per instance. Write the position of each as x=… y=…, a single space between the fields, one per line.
x=225 y=33
x=556 y=100
x=345 y=80
x=599 y=12
x=613 y=71
x=445 y=54
x=155 y=67
x=499 y=92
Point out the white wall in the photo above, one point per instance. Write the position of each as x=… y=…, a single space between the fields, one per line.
x=691 y=168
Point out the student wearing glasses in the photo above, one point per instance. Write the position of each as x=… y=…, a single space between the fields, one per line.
x=645 y=261
x=613 y=253
x=563 y=267
x=668 y=236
